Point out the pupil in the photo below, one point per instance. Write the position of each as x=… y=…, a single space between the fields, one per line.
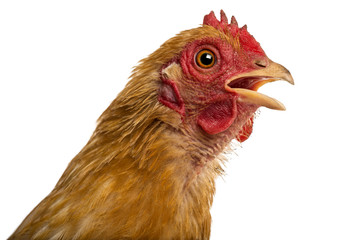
x=206 y=59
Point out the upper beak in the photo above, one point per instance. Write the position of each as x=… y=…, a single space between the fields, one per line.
x=247 y=84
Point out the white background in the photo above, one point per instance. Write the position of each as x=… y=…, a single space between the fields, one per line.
x=63 y=62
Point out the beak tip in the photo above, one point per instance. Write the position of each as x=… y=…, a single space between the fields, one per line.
x=287 y=76
x=291 y=79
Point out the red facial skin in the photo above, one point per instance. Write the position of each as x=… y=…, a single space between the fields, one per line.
x=202 y=91
x=219 y=107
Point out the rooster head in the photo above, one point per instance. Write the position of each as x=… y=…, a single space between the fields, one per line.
x=213 y=78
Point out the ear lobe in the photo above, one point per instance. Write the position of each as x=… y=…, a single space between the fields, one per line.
x=170 y=96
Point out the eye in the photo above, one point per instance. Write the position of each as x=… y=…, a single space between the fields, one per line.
x=205 y=58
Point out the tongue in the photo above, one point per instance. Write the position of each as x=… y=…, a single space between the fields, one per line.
x=218 y=116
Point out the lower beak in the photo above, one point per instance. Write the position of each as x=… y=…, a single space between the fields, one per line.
x=247 y=84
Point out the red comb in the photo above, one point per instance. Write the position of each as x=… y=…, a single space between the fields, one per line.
x=242 y=35
x=222 y=24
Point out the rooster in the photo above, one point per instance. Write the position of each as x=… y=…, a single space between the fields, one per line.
x=149 y=169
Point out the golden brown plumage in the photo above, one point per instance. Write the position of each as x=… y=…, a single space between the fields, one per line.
x=148 y=170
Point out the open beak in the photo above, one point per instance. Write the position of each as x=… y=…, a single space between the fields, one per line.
x=247 y=84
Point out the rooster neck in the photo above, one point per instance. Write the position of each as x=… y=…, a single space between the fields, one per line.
x=159 y=198
x=140 y=177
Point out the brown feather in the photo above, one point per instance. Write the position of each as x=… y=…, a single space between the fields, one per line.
x=142 y=175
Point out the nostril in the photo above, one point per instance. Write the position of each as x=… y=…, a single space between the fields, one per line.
x=260 y=63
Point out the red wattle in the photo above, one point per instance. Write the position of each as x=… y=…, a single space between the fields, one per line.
x=246 y=131
x=218 y=116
